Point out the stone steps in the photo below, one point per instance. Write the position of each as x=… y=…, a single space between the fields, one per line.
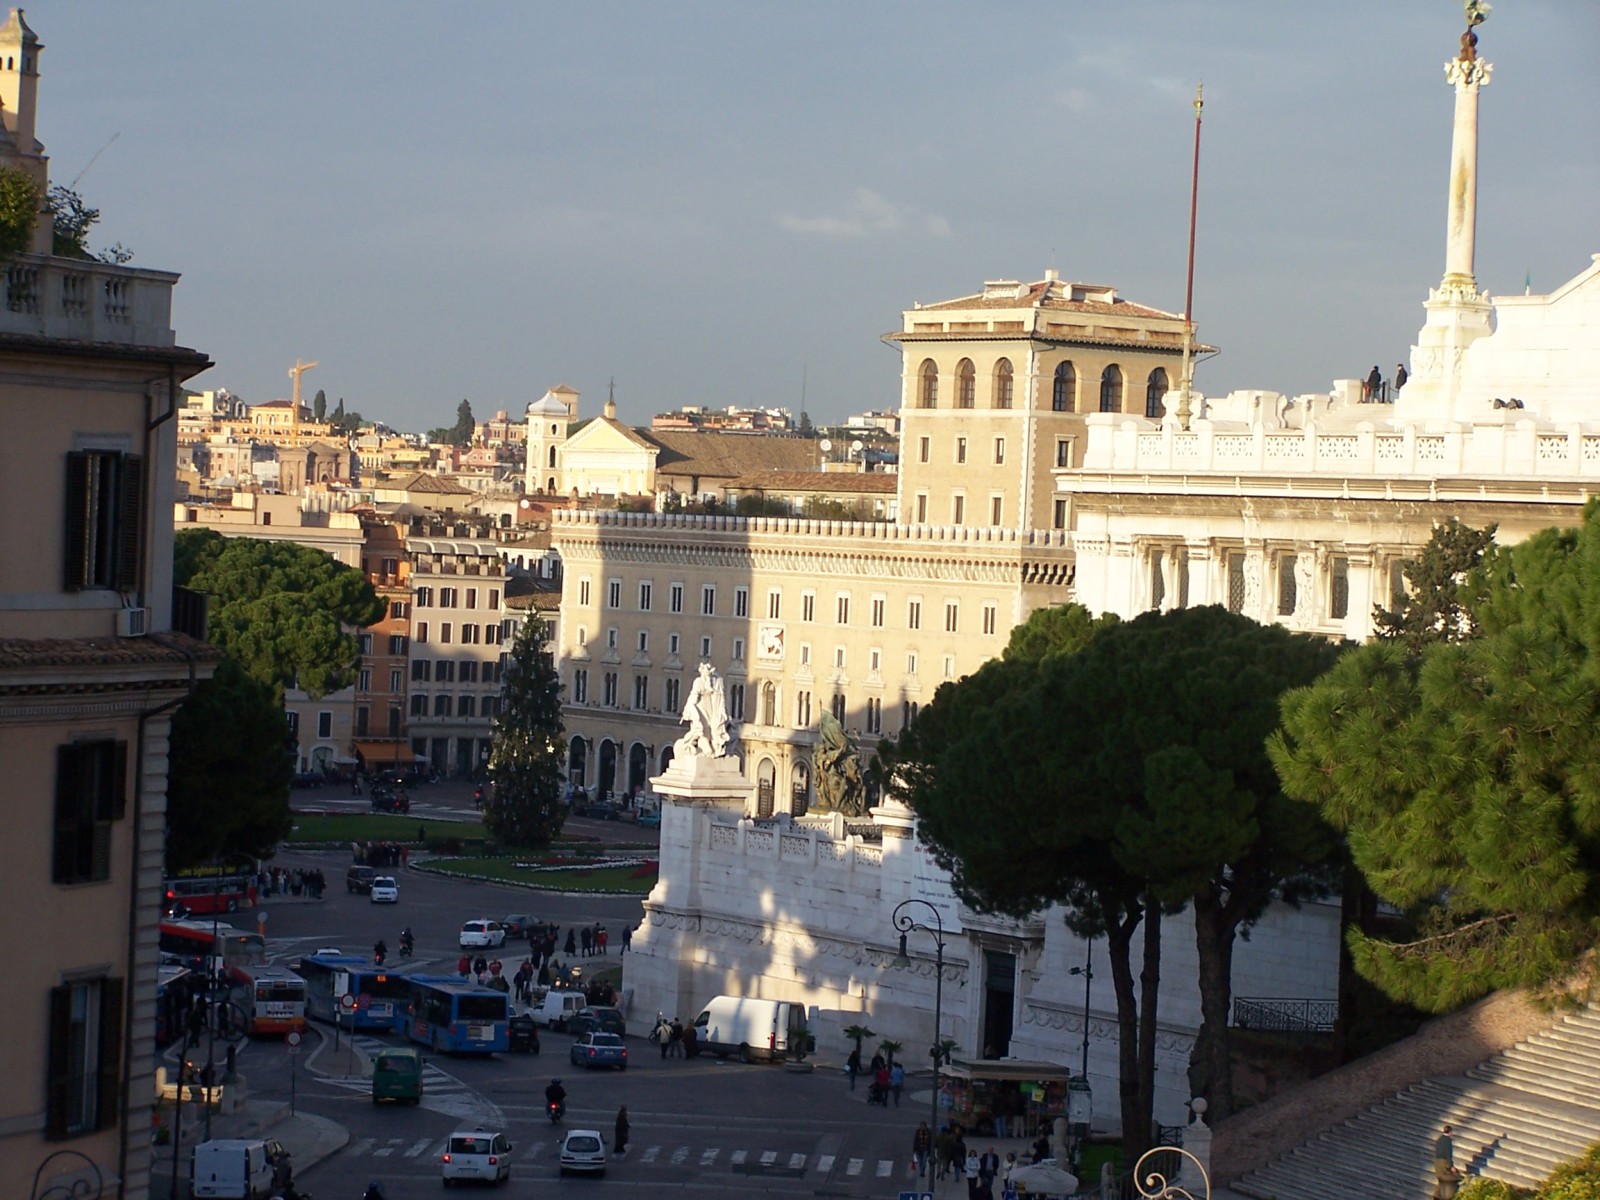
x=1516 y=1116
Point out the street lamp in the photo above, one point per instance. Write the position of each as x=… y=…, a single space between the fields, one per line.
x=905 y=923
x=1088 y=978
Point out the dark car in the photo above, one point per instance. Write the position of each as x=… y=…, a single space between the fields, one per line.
x=597 y=1019
x=524 y=1034
x=600 y=810
x=520 y=925
x=359 y=879
x=385 y=801
x=307 y=779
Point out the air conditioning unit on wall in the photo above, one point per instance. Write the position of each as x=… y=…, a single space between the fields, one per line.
x=133 y=622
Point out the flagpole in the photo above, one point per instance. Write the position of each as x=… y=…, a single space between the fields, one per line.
x=1184 y=411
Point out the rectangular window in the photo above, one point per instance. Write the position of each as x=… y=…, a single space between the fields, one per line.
x=874 y=715
x=1063 y=453
x=738 y=649
x=673 y=683
x=611 y=639
x=493 y=634
x=363 y=718
x=838 y=658
x=877 y=612
x=911 y=664
x=583 y=592
x=672 y=644
x=1235 y=568
x=675 y=597
x=645 y=590
x=466 y=706
x=958 y=510
x=874 y=660
x=364 y=681
x=922 y=508
x=705 y=647
x=908 y=713
x=614 y=593
x=580 y=686
x=641 y=692
x=644 y=641
x=397 y=680
x=394 y=720
x=842 y=608
x=1397 y=583
x=736 y=702
x=1058 y=515
x=324 y=724
x=419 y=705
x=610 y=699
x=105 y=520
x=441 y=705
x=469 y=634
x=444 y=632
x=469 y=672
x=808 y=606
x=999 y=451
x=708 y=600
x=84 y=1057
x=774 y=605
x=952 y=616
x=91 y=787
x=961 y=450
x=949 y=666
x=914 y=614
x=996 y=509
x=1288 y=591
x=391 y=566
x=444 y=671
x=472 y=597
x=991 y=618
x=399 y=610
x=741 y=602
x=924 y=448
x=423 y=597
x=837 y=704
x=364 y=644
x=397 y=644
x=1339 y=588
x=805 y=654
x=447 y=597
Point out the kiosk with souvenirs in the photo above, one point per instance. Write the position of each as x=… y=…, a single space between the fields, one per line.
x=1028 y=1096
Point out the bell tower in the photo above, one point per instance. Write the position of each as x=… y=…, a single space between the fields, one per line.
x=19 y=101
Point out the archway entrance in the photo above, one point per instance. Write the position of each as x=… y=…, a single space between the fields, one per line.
x=766 y=784
x=578 y=762
x=999 y=1001
x=606 y=777
x=800 y=788
x=638 y=769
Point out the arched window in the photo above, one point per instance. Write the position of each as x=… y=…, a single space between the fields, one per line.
x=552 y=456
x=800 y=789
x=550 y=485
x=1111 y=389
x=1002 y=383
x=1154 y=392
x=1064 y=391
x=928 y=385
x=966 y=383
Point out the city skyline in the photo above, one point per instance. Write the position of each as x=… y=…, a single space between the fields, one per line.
x=719 y=206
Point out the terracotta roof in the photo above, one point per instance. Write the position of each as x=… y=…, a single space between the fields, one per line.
x=873 y=482
x=729 y=455
x=1047 y=293
x=158 y=649
x=426 y=484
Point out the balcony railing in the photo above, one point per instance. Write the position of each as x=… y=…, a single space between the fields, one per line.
x=1285 y=1015
x=87 y=301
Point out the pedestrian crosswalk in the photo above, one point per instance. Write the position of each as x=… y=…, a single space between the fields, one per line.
x=744 y=1160
x=441 y=1091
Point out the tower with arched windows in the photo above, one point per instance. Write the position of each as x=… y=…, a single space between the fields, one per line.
x=19 y=106
x=549 y=419
x=997 y=386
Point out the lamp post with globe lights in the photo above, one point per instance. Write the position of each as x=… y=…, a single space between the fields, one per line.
x=906 y=923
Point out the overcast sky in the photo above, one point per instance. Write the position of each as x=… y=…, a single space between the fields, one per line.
x=728 y=202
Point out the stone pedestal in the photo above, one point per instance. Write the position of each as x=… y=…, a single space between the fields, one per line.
x=660 y=962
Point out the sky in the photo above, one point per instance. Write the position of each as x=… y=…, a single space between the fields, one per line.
x=728 y=203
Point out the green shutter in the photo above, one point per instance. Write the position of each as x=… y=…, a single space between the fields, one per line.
x=77 y=521
x=109 y=1113
x=58 y=1084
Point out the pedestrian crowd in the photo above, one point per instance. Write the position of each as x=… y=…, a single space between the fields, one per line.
x=278 y=881
x=382 y=854
x=674 y=1038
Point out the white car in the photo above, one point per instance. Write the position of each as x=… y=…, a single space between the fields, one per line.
x=477 y=1154
x=385 y=890
x=583 y=1150
x=482 y=935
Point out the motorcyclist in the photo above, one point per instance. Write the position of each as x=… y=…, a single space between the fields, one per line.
x=556 y=1095
x=373 y=1192
x=380 y=951
x=407 y=942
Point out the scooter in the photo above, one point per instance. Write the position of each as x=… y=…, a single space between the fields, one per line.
x=557 y=1110
x=405 y=950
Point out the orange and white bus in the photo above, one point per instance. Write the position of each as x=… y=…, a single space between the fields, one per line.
x=273 y=999
x=203 y=946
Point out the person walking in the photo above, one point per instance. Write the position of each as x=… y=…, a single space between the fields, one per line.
x=1400 y=377
x=944 y=1152
x=571 y=947
x=619 y=1144
x=921 y=1147
x=627 y=938
x=586 y=936
x=663 y=1033
x=600 y=939
x=464 y=966
x=852 y=1067
x=988 y=1168
x=974 y=1176
x=675 y=1039
x=1446 y=1178
x=897 y=1082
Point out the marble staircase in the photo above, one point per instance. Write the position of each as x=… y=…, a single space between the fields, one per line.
x=1515 y=1115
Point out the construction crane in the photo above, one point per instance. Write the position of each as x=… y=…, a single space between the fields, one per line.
x=299 y=369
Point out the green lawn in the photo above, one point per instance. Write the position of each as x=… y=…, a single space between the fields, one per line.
x=379 y=827
x=599 y=879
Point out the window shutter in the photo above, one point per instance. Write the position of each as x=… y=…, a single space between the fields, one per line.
x=69 y=816
x=108 y=1112
x=58 y=1065
x=77 y=521
x=130 y=521
x=117 y=780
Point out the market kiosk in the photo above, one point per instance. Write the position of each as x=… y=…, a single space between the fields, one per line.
x=1030 y=1095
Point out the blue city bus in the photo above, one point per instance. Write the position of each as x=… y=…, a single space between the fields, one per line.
x=330 y=977
x=461 y=1018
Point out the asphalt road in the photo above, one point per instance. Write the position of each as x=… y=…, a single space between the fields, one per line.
x=703 y=1127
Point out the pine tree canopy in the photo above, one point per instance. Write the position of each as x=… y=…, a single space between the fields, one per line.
x=1467 y=779
x=525 y=808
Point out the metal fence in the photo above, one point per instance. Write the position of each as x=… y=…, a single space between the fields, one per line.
x=1285 y=1015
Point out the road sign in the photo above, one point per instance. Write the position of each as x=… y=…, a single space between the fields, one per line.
x=294 y=1042
x=363 y=1002
x=347 y=1002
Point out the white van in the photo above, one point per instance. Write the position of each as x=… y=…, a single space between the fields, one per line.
x=557 y=1008
x=752 y=1029
x=235 y=1169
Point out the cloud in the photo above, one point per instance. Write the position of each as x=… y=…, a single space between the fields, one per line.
x=867 y=213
